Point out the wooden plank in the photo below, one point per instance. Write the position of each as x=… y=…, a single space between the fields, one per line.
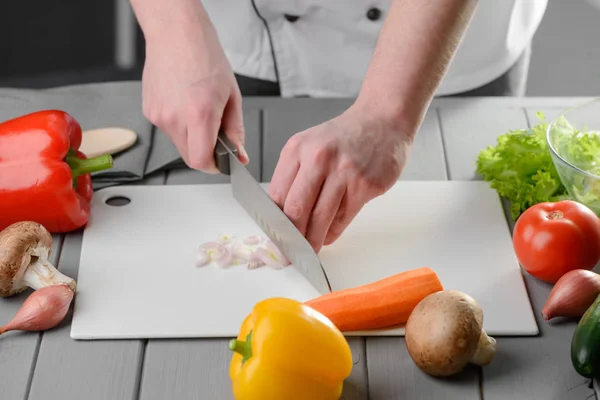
x=186 y=369
x=524 y=368
x=509 y=102
x=356 y=385
x=469 y=127
x=427 y=160
x=391 y=371
x=18 y=350
x=393 y=375
x=104 y=369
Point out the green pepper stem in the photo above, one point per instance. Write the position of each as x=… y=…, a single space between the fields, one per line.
x=240 y=347
x=81 y=166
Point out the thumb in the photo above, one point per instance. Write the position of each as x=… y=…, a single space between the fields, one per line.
x=233 y=125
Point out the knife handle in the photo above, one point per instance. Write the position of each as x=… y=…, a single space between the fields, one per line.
x=223 y=148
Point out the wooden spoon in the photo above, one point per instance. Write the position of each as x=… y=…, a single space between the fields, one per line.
x=110 y=140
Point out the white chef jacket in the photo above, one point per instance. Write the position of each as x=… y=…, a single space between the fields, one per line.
x=322 y=48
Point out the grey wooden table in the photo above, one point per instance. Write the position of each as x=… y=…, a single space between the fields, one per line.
x=50 y=365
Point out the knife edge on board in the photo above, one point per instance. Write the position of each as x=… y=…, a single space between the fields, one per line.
x=269 y=217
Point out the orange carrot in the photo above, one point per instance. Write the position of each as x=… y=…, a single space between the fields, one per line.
x=380 y=304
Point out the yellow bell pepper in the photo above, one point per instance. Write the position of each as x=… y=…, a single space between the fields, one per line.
x=285 y=350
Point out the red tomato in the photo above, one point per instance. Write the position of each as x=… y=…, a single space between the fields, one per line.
x=551 y=239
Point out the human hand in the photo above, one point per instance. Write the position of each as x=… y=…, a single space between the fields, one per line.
x=189 y=91
x=326 y=174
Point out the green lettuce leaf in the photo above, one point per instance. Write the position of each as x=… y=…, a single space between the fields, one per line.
x=520 y=168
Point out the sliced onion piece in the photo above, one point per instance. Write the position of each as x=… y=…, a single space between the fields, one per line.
x=276 y=253
x=252 y=240
x=225 y=259
x=254 y=264
x=242 y=252
x=202 y=258
x=210 y=246
x=215 y=251
x=265 y=256
x=224 y=238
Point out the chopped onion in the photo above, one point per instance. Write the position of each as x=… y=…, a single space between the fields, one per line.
x=202 y=258
x=225 y=260
x=266 y=257
x=224 y=238
x=228 y=250
x=254 y=264
x=242 y=252
x=252 y=240
x=210 y=246
x=276 y=253
x=217 y=252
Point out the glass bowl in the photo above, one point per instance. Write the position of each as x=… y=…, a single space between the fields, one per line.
x=574 y=143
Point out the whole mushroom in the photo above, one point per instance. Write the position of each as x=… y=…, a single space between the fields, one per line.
x=24 y=250
x=444 y=333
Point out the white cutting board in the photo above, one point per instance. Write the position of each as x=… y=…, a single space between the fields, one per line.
x=137 y=277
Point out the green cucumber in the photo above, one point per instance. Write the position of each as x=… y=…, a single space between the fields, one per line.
x=585 y=344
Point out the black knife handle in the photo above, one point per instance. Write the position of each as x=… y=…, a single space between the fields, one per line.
x=222 y=149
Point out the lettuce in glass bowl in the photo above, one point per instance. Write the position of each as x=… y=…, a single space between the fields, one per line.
x=574 y=144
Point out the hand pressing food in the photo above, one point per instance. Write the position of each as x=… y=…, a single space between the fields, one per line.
x=44 y=309
x=288 y=351
x=381 y=304
x=551 y=239
x=24 y=250
x=444 y=333
x=572 y=295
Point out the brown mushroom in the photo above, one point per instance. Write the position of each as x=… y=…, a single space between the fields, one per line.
x=445 y=332
x=24 y=250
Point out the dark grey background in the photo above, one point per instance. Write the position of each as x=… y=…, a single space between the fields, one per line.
x=52 y=43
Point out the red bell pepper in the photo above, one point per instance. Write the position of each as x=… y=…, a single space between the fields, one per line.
x=43 y=176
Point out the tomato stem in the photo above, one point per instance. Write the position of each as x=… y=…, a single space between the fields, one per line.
x=555 y=215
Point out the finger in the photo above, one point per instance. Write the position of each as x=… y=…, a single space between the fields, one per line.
x=203 y=127
x=283 y=177
x=349 y=209
x=171 y=126
x=324 y=211
x=233 y=125
x=303 y=194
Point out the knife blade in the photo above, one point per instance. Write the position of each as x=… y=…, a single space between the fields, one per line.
x=269 y=217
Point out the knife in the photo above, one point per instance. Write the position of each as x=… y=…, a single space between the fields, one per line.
x=269 y=217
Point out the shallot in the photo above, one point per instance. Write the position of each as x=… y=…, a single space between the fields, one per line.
x=572 y=294
x=252 y=250
x=276 y=254
x=44 y=309
x=242 y=252
x=252 y=240
x=217 y=252
x=202 y=259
